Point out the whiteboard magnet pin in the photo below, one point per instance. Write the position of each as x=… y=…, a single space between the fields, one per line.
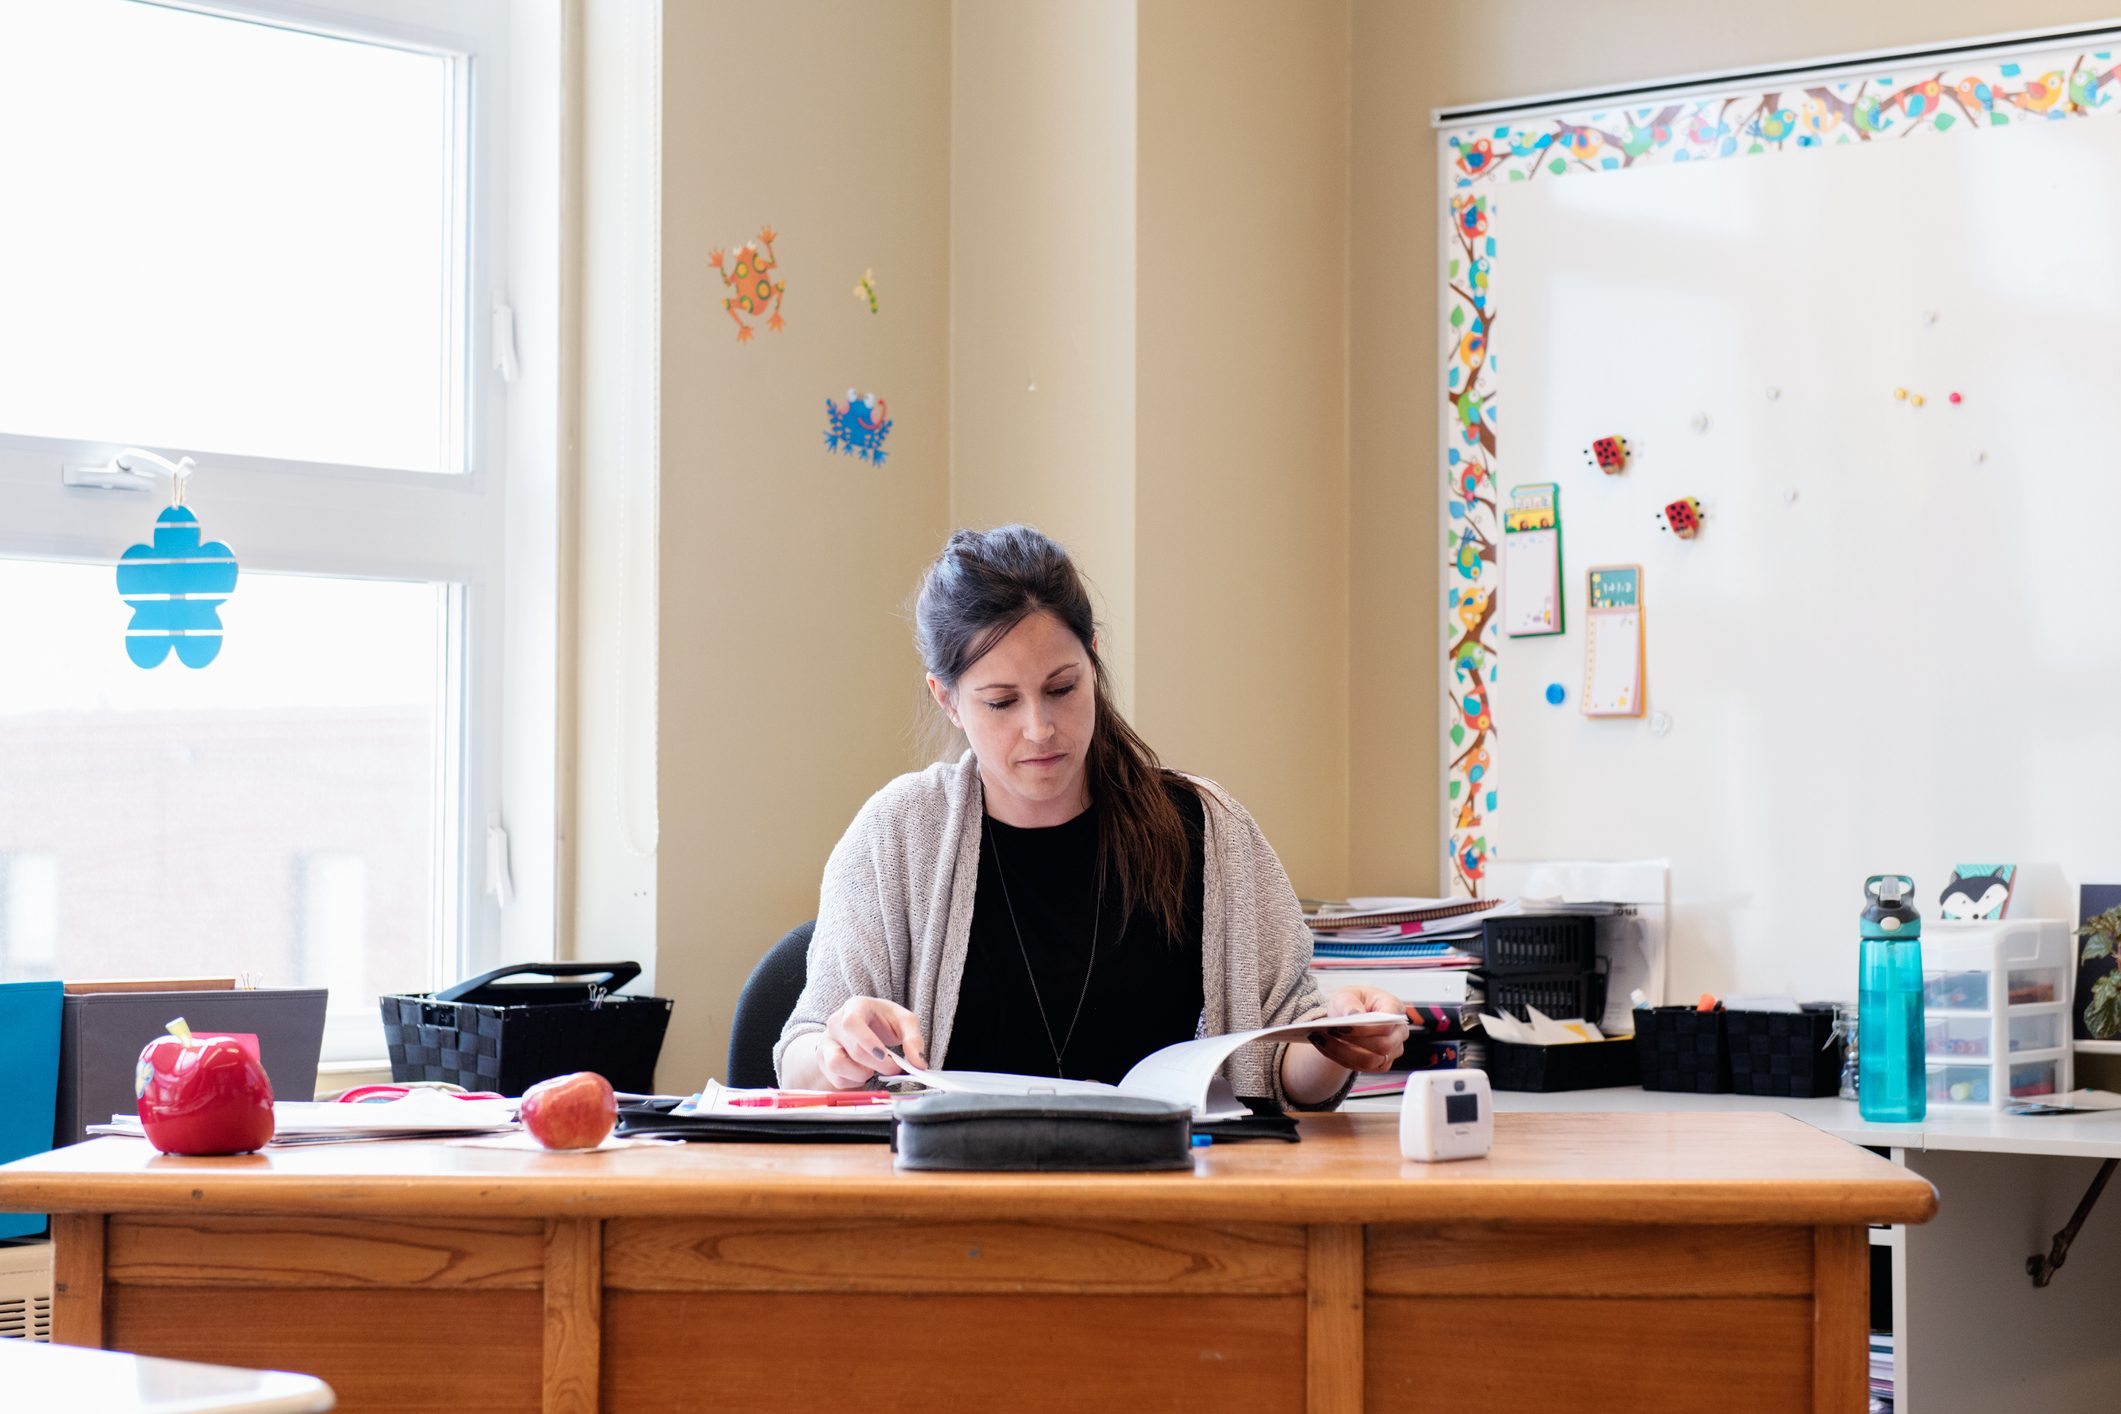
x=1661 y=723
x=1773 y=393
x=1789 y=497
x=1701 y=422
x=1900 y=395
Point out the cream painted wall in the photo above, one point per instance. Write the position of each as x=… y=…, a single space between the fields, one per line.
x=1409 y=58
x=1042 y=367
x=1241 y=506
x=788 y=682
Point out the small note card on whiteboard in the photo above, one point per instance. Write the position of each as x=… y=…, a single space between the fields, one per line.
x=1531 y=561
x=1612 y=652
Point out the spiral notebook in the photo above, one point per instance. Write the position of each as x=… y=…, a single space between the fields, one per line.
x=1612 y=652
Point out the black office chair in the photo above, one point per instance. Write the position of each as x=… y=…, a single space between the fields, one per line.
x=762 y=1008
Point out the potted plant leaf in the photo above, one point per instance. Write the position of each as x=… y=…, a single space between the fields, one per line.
x=2102 y=1009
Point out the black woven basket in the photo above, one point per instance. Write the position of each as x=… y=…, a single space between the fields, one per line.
x=1791 y=1054
x=1680 y=1048
x=486 y=1035
x=1560 y=995
x=1549 y=942
x=1579 y=1065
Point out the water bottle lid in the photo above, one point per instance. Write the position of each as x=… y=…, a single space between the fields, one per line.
x=1889 y=889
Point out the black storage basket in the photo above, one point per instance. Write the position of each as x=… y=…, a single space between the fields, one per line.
x=1560 y=995
x=508 y=1037
x=1551 y=942
x=1578 y=1065
x=1680 y=1048
x=1791 y=1054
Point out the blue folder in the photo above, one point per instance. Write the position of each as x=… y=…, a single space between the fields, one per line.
x=29 y=1094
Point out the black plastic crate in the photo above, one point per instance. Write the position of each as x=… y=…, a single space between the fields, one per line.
x=1560 y=995
x=1580 y=1065
x=1680 y=1048
x=484 y=1034
x=1790 y=1054
x=1551 y=942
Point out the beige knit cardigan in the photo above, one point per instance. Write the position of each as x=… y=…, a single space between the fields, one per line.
x=894 y=920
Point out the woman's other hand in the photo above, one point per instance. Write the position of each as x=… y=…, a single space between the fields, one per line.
x=1363 y=1047
x=857 y=1041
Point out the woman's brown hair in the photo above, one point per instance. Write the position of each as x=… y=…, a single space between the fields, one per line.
x=984 y=584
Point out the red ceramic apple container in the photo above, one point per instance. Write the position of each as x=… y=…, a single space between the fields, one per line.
x=202 y=1096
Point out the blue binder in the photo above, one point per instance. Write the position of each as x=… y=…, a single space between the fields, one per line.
x=29 y=1080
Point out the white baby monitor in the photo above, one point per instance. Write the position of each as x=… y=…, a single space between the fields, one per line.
x=1447 y=1114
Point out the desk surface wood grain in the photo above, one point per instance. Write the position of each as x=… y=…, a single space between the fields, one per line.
x=1599 y=1169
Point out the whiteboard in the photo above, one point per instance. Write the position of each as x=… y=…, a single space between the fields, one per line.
x=1894 y=645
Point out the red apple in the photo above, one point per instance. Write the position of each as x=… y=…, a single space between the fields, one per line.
x=202 y=1096
x=570 y=1111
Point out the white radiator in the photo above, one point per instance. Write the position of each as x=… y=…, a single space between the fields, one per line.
x=26 y=1291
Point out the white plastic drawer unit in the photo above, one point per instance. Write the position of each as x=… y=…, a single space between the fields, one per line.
x=1995 y=1002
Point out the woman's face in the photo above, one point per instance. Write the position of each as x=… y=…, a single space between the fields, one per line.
x=1028 y=707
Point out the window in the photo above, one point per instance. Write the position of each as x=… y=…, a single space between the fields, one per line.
x=249 y=233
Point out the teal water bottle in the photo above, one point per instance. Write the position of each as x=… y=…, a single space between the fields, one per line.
x=1891 y=1083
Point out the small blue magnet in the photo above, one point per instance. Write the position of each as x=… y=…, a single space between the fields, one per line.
x=1557 y=694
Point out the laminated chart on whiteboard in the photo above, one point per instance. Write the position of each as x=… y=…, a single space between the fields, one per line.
x=1531 y=561
x=1612 y=650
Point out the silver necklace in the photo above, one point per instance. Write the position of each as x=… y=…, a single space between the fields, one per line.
x=1096 y=918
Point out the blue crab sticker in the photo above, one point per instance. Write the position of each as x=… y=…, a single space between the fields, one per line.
x=176 y=587
x=857 y=429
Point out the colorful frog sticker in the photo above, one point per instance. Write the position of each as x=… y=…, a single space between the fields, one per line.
x=751 y=286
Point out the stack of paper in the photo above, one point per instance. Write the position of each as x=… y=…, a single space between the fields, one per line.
x=422 y=1114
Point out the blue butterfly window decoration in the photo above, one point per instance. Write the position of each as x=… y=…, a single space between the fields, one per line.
x=176 y=585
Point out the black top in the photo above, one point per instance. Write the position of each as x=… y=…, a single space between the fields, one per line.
x=1144 y=989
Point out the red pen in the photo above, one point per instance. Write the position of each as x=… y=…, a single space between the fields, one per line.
x=789 y=1102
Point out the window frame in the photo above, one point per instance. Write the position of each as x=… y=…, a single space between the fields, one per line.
x=459 y=528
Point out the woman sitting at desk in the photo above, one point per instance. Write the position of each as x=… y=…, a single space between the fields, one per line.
x=1054 y=902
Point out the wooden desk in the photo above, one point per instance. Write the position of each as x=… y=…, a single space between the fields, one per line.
x=1645 y=1261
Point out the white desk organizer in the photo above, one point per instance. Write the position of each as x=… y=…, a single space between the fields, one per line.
x=1995 y=1000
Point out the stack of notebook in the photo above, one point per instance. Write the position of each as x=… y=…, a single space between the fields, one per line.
x=1422 y=951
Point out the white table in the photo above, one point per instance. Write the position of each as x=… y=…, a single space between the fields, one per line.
x=67 y=1379
x=1981 y=1336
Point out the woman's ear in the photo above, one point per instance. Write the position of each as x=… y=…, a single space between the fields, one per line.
x=942 y=700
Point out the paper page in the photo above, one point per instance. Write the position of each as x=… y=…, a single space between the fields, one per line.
x=994 y=1082
x=716 y=1100
x=1184 y=1074
x=1531 y=585
x=1613 y=665
x=1531 y=561
x=1189 y=1072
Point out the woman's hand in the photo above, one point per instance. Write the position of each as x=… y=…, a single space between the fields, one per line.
x=855 y=1046
x=1363 y=1047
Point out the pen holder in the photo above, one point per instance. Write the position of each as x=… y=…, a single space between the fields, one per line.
x=1683 y=1049
x=1791 y=1054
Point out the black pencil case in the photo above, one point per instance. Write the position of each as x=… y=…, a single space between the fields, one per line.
x=1043 y=1134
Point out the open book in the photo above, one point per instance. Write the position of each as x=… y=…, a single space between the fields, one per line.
x=1188 y=1073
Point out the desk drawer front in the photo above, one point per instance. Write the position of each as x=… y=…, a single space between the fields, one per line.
x=360 y=1253
x=1026 y=1354
x=897 y=1258
x=1476 y=1259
